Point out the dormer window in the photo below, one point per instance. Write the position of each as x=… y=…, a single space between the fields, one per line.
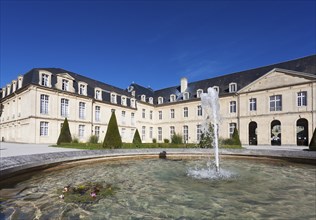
x=216 y=88
x=133 y=103
x=160 y=100
x=97 y=94
x=20 y=80
x=199 y=92
x=123 y=100
x=143 y=98
x=172 y=98
x=232 y=87
x=82 y=88
x=3 y=92
x=65 y=85
x=8 y=89
x=185 y=96
x=133 y=93
x=13 y=85
x=151 y=100
x=113 y=98
x=45 y=80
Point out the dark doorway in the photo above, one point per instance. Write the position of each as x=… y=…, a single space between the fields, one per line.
x=302 y=132
x=276 y=132
x=253 y=133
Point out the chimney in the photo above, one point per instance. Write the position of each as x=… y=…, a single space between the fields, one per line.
x=184 y=84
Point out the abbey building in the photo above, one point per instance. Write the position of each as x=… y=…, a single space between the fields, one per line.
x=275 y=104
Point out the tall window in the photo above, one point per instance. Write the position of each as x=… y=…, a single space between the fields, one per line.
x=253 y=104
x=171 y=113
x=81 y=131
x=113 y=98
x=185 y=112
x=199 y=110
x=82 y=89
x=132 y=118
x=123 y=117
x=232 y=127
x=185 y=133
x=133 y=105
x=160 y=100
x=98 y=94
x=64 y=108
x=44 y=104
x=123 y=133
x=302 y=98
x=45 y=80
x=143 y=113
x=160 y=115
x=233 y=87
x=65 y=85
x=143 y=132
x=276 y=103
x=159 y=134
x=43 y=128
x=97 y=131
x=172 y=98
x=151 y=115
x=151 y=132
x=198 y=93
x=232 y=106
x=198 y=132
x=151 y=100
x=172 y=131
x=82 y=110
x=186 y=96
x=123 y=101
x=143 y=98
x=97 y=113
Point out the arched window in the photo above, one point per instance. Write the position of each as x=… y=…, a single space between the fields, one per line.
x=172 y=98
x=143 y=98
x=302 y=132
x=275 y=132
x=160 y=100
x=199 y=92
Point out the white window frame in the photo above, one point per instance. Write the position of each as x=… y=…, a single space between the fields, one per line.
x=98 y=94
x=81 y=131
x=123 y=117
x=199 y=110
x=186 y=96
x=232 y=87
x=123 y=133
x=44 y=104
x=252 y=104
x=123 y=100
x=20 y=81
x=97 y=112
x=199 y=92
x=97 y=131
x=232 y=107
x=172 y=114
x=45 y=79
x=133 y=119
x=151 y=100
x=302 y=98
x=159 y=133
x=65 y=84
x=113 y=98
x=172 y=131
x=160 y=115
x=172 y=98
x=185 y=133
x=198 y=132
x=133 y=103
x=143 y=113
x=151 y=115
x=185 y=112
x=275 y=103
x=231 y=129
x=160 y=100
x=64 y=107
x=143 y=98
x=151 y=132
x=82 y=110
x=82 y=88
x=143 y=133
x=43 y=128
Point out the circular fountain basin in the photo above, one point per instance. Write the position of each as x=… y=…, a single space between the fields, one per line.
x=168 y=189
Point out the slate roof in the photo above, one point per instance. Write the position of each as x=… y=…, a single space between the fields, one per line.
x=243 y=78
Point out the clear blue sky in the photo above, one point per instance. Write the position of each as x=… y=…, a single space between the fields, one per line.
x=153 y=43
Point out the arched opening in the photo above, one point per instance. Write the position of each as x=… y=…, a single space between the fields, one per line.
x=275 y=132
x=253 y=133
x=302 y=132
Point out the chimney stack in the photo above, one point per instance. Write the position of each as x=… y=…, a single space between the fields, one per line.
x=184 y=84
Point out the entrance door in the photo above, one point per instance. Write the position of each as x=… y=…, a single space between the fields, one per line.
x=276 y=132
x=253 y=133
x=302 y=132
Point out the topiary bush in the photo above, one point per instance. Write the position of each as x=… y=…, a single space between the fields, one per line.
x=236 y=138
x=137 y=141
x=176 y=139
x=65 y=135
x=112 y=137
x=154 y=140
x=93 y=139
x=166 y=141
x=312 y=144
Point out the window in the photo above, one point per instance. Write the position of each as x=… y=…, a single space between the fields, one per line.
x=97 y=113
x=232 y=87
x=302 y=99
x=198 y=132
x=276 y=103
x=160 y=100
x=159 y=134
x=133 y=103
x=172 y=131
x=97 y=131
x=151 y=100
x=186 y=96
x=123 y=117
x=20 y=80
x=143 y=98
x=216 y=88
x=98 y=94
x=82 y=89
x=132 y=119
x=3 y=92
x=123 y=101
x=172 y=98
x=199 y=110
x=81 y=131
x=43 y=128
x=123 y=133
x=185 y=112
x=151 y=132
x=45 y=80
x=151 y=115
x=113 y=98
x=143 y=113
x=65 y=85
x=44 y=104
x=82 y=110
x=13 y=85
x=253 y=104
x=160 y=115
x=143 y=133
x=8 y=89
x=64 y=108
x=171 y=113
x=232 y=127
x=198 y=93
x=185 y=133
x=232 y=106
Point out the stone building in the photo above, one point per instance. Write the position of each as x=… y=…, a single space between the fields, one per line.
x=275 y=104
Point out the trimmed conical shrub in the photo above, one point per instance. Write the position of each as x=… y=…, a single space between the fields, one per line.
x=137 y=141
x=236 y=138
x=65 y=135
x=112 y=137
x=312 y=144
